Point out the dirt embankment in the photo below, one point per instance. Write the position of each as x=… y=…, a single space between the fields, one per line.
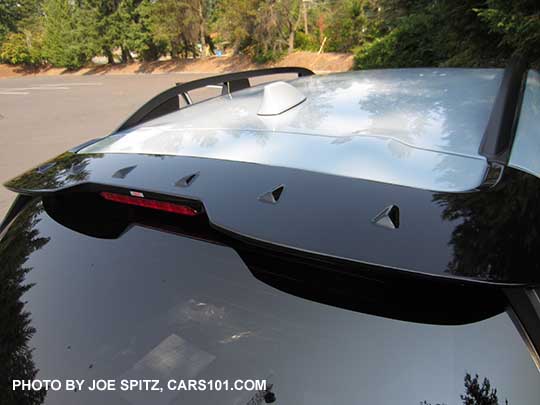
x=324 y=62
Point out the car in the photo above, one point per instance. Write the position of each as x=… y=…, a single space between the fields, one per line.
x=365 y=237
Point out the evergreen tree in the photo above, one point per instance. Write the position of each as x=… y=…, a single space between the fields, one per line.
x=69 y=34
x=479 y=394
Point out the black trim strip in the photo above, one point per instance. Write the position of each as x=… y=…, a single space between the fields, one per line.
x=152 y=109
x=525 y=313
x=499 y=134
x=18 y=205
x=77 y=148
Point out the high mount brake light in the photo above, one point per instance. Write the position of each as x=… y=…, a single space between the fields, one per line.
x=153 y=204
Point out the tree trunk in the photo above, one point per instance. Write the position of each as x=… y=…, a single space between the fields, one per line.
x=202 y=32
x=126 y=55
x=236 y=47
x=152 y=53
x=109 y=55
x=291 y=41
x=211 y=45
x=293 y=27
x=175 y=50
x=304 y=7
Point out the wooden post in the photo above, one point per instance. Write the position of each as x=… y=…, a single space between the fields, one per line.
x=322 y=45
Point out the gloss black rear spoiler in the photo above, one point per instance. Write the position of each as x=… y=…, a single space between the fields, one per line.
x=437 y=234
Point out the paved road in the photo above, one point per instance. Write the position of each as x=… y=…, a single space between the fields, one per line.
x=41 y=117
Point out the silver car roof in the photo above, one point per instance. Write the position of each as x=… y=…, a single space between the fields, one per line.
x=526 y=149
x=413 y=127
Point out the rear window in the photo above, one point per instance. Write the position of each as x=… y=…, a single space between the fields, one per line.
x=150 y=304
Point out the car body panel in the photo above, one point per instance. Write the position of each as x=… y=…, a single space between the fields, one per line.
x=412 y=127
x=526 y=149
x=448 y=235
x=362 y=157
x=105 y=308
x=370 y=245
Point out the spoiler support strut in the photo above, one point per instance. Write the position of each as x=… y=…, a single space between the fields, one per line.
x=500 y=130
x=167 y=101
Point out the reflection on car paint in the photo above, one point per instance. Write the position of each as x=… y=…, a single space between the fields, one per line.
x=526 y=149
x=414 y=127
x=430 y=239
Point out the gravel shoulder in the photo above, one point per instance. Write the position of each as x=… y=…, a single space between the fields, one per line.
x=320 y=63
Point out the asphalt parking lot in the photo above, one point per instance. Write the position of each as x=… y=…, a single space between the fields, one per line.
x=41 y=117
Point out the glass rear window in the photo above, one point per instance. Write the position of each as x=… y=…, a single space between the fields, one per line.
x=150 y=304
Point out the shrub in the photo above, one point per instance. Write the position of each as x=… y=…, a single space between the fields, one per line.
x=305 y=42
x=518 y=25
x=22 y=48
x=15 y=49
x=68 y=34
x=353 y=23
x=265 y=57
x=412 y=43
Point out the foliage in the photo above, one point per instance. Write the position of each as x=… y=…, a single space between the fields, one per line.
x=381 y=33
x=12 y=12
x=268 y=56
x=16 y=331
x=8 y=17
x=263 y=29
x=453 y=33
x=15 y=49
x=277 y=23
x=68 y=34
x=353 y=24
x=476 y=393
x=180 y=30
x=517 y=22
x=306 y=42
x=139 y=36
x=236 y=21
x=406 y=45
x=25 y=46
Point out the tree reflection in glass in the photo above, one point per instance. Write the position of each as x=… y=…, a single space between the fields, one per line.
x=477 y=393
x=64 y=169
x=15 y=323
x=498 y=234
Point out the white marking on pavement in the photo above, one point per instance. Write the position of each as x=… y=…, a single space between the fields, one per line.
x=34 y=88
x=74 y=84
x=49 y=86
x=13 y=93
